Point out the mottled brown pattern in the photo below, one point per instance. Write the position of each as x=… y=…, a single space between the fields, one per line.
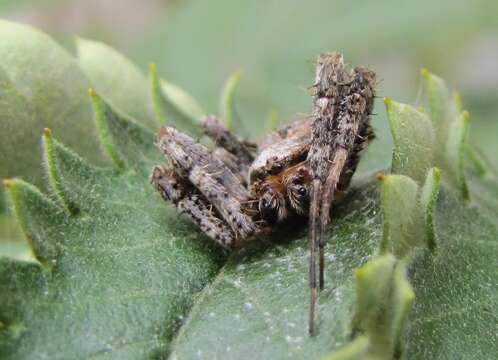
x=234 y=195
x=342 y=104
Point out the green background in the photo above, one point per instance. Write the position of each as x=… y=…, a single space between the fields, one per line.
x=197 y=44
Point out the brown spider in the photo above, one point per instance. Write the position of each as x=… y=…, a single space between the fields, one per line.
x=234 y=193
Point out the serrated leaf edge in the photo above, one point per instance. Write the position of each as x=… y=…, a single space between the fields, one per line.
x=15 y=188
x=103 y=130
x=53 y=172
x=171 y=112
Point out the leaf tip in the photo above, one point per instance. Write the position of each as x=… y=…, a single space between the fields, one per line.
x=237 y=74
x=437 y=173
x=52 y=152
x=381 y=177
x=9 y=183
x=388 y=102
x=457 y=100
x=92 y=93
x=360 y=273
x=425 y=73
x=77 y=40
x=153 y=74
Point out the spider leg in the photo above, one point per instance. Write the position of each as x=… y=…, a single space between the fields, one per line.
x=341 y=171
x=365 y=136
x=314 y=237
x=181 y=193
x=232 y=162
x=225 y=139
x=212 y=178
x=341 y=105
x=337 y=165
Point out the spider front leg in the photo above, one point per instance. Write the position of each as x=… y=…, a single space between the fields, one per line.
x=206 y=175
x=342 y=104
x=193 y=204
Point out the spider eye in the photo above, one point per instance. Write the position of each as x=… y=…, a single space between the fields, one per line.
x=298 y=197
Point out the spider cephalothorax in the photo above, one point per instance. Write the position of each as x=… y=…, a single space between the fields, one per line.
x=236 y=191
x=284 y=193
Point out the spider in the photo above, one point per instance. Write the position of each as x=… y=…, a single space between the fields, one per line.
x=238 y=191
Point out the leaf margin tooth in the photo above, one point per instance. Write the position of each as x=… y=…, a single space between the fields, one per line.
x=89 y=52
x=70 y=177
x=273 y=121
x=455 y=151
x=398 y=237
x=173 y=105
x=26 y=200
x=228 y=113
x=124 y=139
x=438 y=100
x=384 y=298
x=404 y=296
x=103 y=130
x=53 y=173
x=407 y=152
x=428 y=196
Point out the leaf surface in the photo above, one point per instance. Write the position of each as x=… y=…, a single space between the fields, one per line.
x=117 y=269
x=117 y=79
x=41 y=86
x=257 y=307
x=120 y=275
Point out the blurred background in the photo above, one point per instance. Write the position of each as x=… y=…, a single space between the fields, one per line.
x=197 y=44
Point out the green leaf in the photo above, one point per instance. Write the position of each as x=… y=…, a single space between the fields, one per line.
x=34 y=211
x=408 y=213
x=114 y=279
x=413 y=140
x=228 y=112
x=454 y=305
x=384 y=299
x=135 y=148
x=451 y=130
x=355 y=350
x=401 y=214
x=438 y=101
x=272 y=121
x=257 y=306
x=118 y=271
x=454 y=314
x=12 y=243
x=41 y=86
x=52 y=157
x=427 y=201
x=173 y=105
x=456 y=151
x=117 y=79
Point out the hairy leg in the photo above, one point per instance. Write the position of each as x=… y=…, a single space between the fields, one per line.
x=213 y=179
x=225 y=139
x=232 y=162
x=341 y=105
x=182 y=194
